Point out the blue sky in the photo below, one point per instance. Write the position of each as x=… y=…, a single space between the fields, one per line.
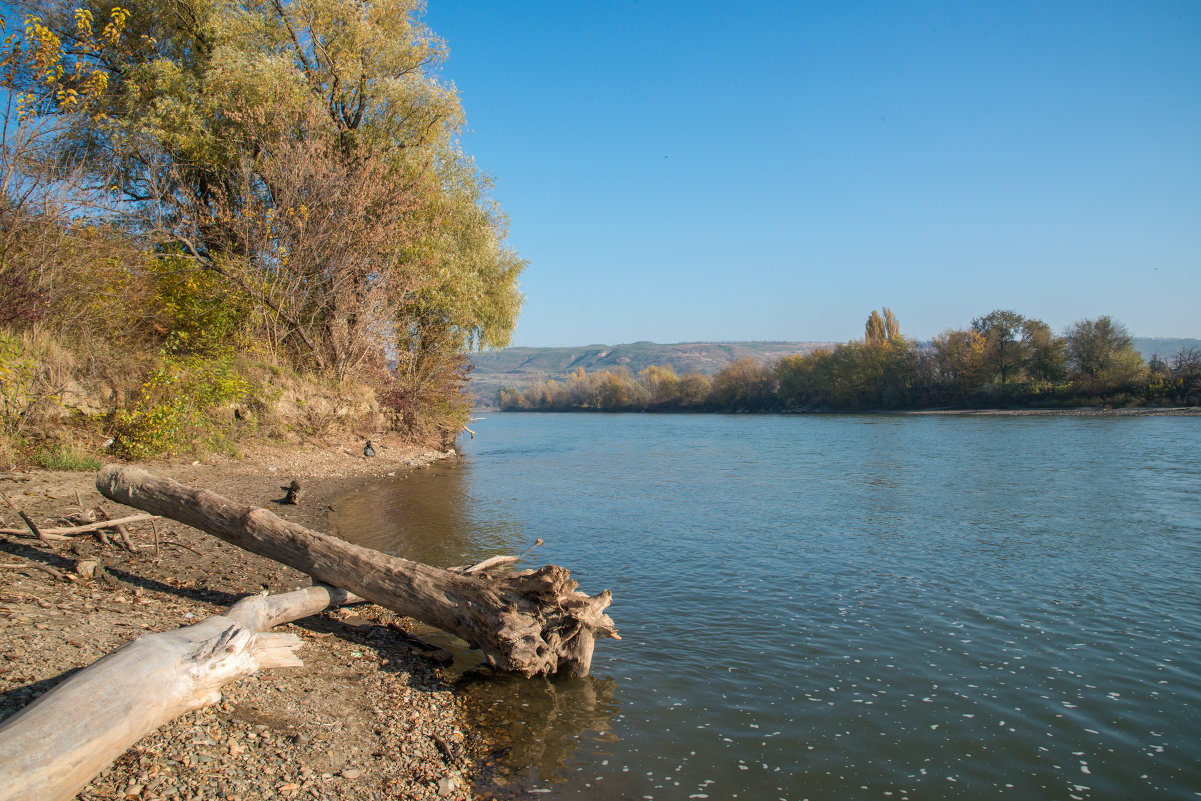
x=679 y=171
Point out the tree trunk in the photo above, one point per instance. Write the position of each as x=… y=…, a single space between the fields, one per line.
x=52 y=748
x=533 y=622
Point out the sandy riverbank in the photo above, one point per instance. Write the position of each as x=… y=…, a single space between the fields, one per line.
x=367 y=717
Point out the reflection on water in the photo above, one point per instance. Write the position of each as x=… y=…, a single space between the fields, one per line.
x=836 y=607
x=534 y=725
x=537 y=724
x=428 y=515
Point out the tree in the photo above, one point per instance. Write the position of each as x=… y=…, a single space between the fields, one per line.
x=1045 y=354
x=694 y=390
x=1004 y=349
x=1187 y=362
x=1186 y=373
x=744 y=384
x=306 y=152
x=959 y=359
x=662 y=385
x=881 y=327
x=48 y=252
x=1102 y=352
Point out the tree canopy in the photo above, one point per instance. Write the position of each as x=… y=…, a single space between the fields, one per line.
x=304 y=153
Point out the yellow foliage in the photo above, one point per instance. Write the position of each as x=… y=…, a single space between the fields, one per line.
x=70 y=79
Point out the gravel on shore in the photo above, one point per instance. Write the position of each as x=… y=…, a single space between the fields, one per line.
x=368 y=716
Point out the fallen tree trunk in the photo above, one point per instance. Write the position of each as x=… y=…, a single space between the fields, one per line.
x=52 y=748
x=533 y=622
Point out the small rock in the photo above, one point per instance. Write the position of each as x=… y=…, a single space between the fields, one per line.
x=351 y=773
x=446 y=785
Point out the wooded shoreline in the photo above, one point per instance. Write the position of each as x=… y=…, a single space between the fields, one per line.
x=1053 y=411
x=367 y=716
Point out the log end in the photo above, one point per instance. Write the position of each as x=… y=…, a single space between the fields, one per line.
x=553 y=628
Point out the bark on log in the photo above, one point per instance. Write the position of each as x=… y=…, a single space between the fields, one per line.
x=532 y=622
x=52 y=748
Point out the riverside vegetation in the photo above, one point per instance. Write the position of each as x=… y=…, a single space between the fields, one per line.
x=1003 y=360
x=231 y=220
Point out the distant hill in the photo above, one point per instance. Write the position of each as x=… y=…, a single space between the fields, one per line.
x=1166 y=347
x=522 y=367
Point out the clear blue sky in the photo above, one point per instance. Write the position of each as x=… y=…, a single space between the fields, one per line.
x=679 y=171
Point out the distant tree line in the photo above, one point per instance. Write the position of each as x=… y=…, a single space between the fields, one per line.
x=1002 y=360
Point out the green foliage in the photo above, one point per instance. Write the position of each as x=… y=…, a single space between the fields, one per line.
x=1045 y=354
x=67 y=457
x=178 y=405
x=1004 y=350
x=1102 y=355
x=200 y=312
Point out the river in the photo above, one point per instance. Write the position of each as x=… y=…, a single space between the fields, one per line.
x=836 y=607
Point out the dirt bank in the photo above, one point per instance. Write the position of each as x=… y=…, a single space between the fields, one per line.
x=367 y=717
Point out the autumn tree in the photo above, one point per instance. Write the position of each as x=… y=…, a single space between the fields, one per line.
x=48 y=251
x=1101 y=353
x=662 y=385
x=694 y=390
x=1044 y=353
x=212 y=110
x=881 y=327
x=306 y=153
x=959 y=361
x=1004 y=349
x=744 y=384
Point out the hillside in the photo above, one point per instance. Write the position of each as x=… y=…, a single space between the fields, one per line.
x=1165 y=347
x=523 y=367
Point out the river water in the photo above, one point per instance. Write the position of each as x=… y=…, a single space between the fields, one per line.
x=836 y=607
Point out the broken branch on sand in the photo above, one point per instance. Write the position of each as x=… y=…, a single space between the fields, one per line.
x=62 y=532
x=52 y=748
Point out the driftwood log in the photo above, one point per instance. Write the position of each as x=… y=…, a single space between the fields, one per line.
x=532 y=622
x=52 y=748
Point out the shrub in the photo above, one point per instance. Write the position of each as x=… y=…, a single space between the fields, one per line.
x=177 y=404
x=27 y=388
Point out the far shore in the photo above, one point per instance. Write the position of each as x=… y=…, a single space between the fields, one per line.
x=1082 y=411
x=369 y=715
